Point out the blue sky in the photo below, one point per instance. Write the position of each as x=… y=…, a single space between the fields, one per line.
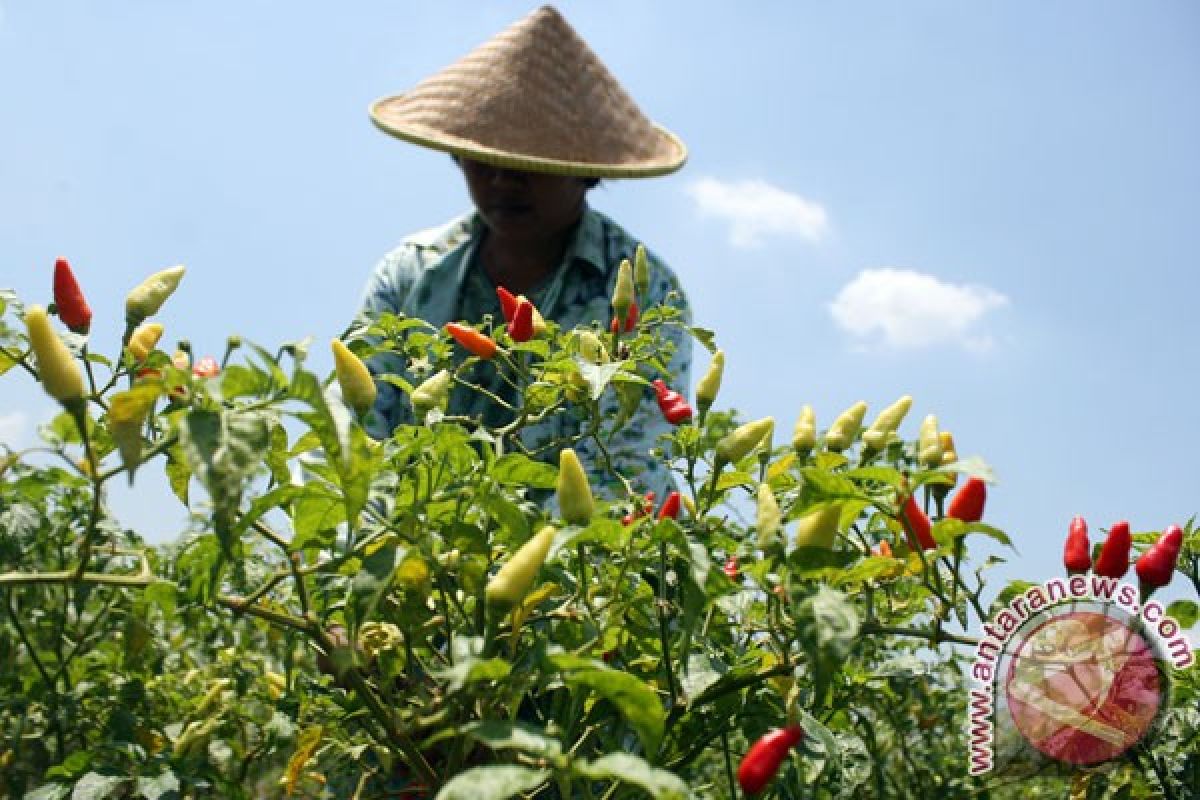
x=989 y=206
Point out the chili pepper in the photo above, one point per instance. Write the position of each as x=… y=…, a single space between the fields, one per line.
x=804 y=435
x=967 y=503
x=1157 y=565
x=917 y=525
x=731 y=568
x=710 y=384
x=738 y=443
x=690 y=505
x=521 y=326
x=574 y=493
x=1113 y=561
x=473 y=341
x=145 y=299
x=883 y=429
x=631 y=318
x=670 y=507
x=508 y=303
x=206 y=367
x=844 y=430
x=358 y=388
x=539 y=324
x=57 y=370
x=127 y=412
x=766 y=756
x=143 y=340
x=641 y=271
x=768 y=517
x=819 y=527
x=433 y=393
x=674 y=406
x=623 y=293
x=72 y=306
x=511 y=583
x=591 y=349
x=929 y=444
x=1077 y=554
x=949 y=454
x=883 y=549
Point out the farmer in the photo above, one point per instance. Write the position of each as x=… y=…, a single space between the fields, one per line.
x=533 y=120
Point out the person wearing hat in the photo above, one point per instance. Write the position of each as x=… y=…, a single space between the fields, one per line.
x=534 y=120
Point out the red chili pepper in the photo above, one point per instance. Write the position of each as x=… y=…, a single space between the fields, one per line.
x=646 y=510
x=967 y=503
x=731 y=568
x=1077 y=554
x=765 y=757
x=508 y=303
x=1157 y=565
x=473 y=341
x=631 y=319
x=206 y=367
x=918 y=524
x=1113 y=561
x=72 y=306
x=670 y=507
x=674 y=407
x=520 y=328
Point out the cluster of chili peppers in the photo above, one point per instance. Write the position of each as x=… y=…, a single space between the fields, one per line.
x=1154 y=568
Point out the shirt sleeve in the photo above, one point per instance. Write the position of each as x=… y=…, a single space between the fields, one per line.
x=629 y=449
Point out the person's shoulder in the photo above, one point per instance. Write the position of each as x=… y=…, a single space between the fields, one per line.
x=441 y=238
x=623 y=243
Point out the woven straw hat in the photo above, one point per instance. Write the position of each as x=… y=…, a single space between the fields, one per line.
x=534 y=98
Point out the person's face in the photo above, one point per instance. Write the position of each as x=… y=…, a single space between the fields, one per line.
x=524 y=205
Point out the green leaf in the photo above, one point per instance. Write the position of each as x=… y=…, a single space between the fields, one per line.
x=51 y=791
x=701 y=672
x=600 y=530
x=826 y=486
x=636 y=701
x=315 y=517
x=887 y=475
x=827 y=627
x=241 y=381
x=820 y=750
x=514 y=469
x=500 y=735
x=598 y=375
x=94 y=786
x=631 y=769
x=7 y=362
x=948 y=529
x=179 y=474
x=705 y=337
x=223 y=449
x=471 y=669
x=492 y=783
x=1185 y=612
x=373 y=579
x=734 y=478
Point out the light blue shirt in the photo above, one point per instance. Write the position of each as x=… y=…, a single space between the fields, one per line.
x=435 y=275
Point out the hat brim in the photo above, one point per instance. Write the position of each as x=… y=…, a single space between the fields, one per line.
x=466 y=148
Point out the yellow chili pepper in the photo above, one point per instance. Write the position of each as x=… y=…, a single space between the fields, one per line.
x=710 y=384
x=574 y=493
x=358 y=388
x=844 y=430
x=511 y=583
x=148 y=296
x=929 y=444
x=737 y=444
x=883 y=429
x=623 y=296
x=143 y=340
x=768 y=517
x=57 y=370
x=818 y=528
x=804 y=435
x=433 y=393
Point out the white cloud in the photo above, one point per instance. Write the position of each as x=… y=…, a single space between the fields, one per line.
x=12 y=429
x=756 y=210
x=908 y=309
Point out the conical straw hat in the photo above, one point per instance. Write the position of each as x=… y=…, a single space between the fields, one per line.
x=535 y=98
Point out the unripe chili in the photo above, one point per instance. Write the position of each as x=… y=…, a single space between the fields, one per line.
x=929 y=444
x=143 y=340
x=738 y=443
x=72 y=306
x=591 y=349
x=473 y=341
x=358 y=388
x=768 y=517
x=623 y=291
x=804 y=435
x=1077 y=553
x=819 y=527
x=641 y=271
x=967 y=503
x=512 y=582
x=883 y=429
x=710 y=384
x=433 y=393
x=575 y=501
x=57 y=370
x=1157 y=565
x=1113 y=561
x=844 y=430
x=764 y=758
x=145 y=299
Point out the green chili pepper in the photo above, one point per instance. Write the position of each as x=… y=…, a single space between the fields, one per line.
x=512 y=582
x=737 y=444
x=844 y=430
x=574 y=493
